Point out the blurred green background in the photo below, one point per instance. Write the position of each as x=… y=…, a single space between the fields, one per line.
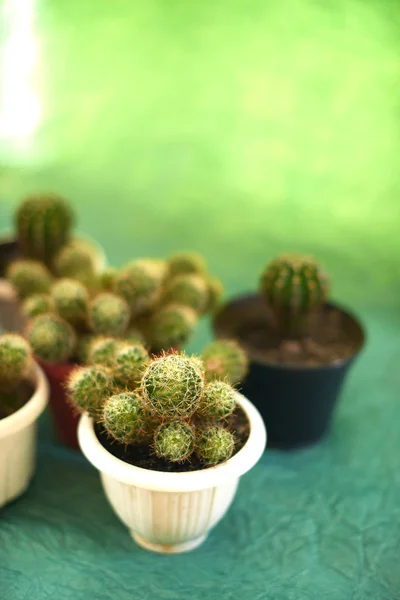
x=239 y=129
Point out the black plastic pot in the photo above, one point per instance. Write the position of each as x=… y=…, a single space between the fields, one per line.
x=296 y=403
x=8 y=251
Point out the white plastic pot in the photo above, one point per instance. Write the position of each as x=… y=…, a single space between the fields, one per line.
x=172 y=512
x=18 y=441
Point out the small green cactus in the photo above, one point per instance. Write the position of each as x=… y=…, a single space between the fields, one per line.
x=187 y=290
x=51 y=338
x=38 y=304
x=186 y=263
x=215 y=290
x=109 y=314
x=88 y=388
x=174 y=441
x=140 y=284
x=173 y=385
x=28 y=277
x=15 y=360
x=107 y=279
x=129 y=365
x=125 y=417
x=171 y=327
x=218 y=400
x=102 y=351
x=293 y=286
x=214 y=444
x=78 y=259
x=225 y=359
x=44 y=225
x=71 y=301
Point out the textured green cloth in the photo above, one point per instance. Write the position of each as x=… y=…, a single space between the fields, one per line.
x=240 y=129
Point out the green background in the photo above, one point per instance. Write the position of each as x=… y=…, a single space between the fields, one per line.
x=240 y=129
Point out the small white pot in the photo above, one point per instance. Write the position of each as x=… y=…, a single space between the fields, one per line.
x=172 y=512
x=18 y=441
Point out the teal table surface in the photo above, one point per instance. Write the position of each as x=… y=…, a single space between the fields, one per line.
x=239 y=129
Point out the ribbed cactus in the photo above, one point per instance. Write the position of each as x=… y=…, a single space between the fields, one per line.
x=215 y=289
x=125 y=417
x=79 y=260
x=293 y=286
x=218 y=400
x=129 y=365
x=51 y=338
x=88 y=388
x=174 y=441
x=173 y=386
x=171 y=327
x=225 y=359
x=186 y=263
x=102 y=351
x=109 y=314
x=71 y=301
x=188 y=290
x=214 y=444
x=38 y=304
x=15 y=360
x=140 y=284
x=44 y=225
x=28 y=277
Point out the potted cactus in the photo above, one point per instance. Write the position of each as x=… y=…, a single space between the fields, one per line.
x=300 y=347
x=23 y=397
x=170 y=446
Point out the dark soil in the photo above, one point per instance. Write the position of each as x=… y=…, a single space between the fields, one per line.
x=11 y=401
x=141 y=455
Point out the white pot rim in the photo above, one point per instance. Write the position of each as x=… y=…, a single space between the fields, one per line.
x=31 y=410
x=190 y=481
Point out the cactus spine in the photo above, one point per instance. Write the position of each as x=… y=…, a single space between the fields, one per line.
x=124 y=417
x=174 y=441
x=88 y=388
x=51 y=338
x=214 y=444
x=15 y=360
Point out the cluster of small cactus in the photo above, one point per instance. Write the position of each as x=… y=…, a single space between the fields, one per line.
x=167 y=404
x=293 y=287
x=15 y=363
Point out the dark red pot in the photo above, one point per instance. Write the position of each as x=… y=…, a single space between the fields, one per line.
x=65 y=419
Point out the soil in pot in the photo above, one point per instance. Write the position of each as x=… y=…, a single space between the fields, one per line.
x=12 y=401
x=141 y=455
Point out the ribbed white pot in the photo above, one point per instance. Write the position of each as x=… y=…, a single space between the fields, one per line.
x=172 y=512
x=18 y=441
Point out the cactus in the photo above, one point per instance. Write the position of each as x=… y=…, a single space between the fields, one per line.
x=293 y=286
x=28 y=277
x=133 y=336
x=102 y=351
x=225 y=359
x=125 y=417
x=107 y=279
x=88 y=388
x=108 y=314
x=140 y=284
x=174 y=441
x=214 y=444
x=79 y=259
x=130 y=362
x=218 y=400
x=188 y=290
x=43 y=224
x=186 y=263
x=173 y=385
x=171 y=327
x=51 y=338
x=71 y=301
x=15 y=360
x=38 y=304
x=82 y=347
x=215 y=290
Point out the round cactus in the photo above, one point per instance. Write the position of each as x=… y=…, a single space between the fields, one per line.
x=28 y=277
x=102 y=351
x=174 y=441
x=77 y=258
x=44 y=225
x=71 y=300
x=38 y=304
x=215 y=289
x=171 y=327
x=214 y=444
x=293 y=286
x=125 y=417
x=186 y=263
x=129 y=365
x=188 y=290
x=173 y=385
x=107 y=279
x=109 y=314
x=225 y=359
x=88 y=388
x=15 y=359
x=140 y=284
x=51 y=338
x=218 y=400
